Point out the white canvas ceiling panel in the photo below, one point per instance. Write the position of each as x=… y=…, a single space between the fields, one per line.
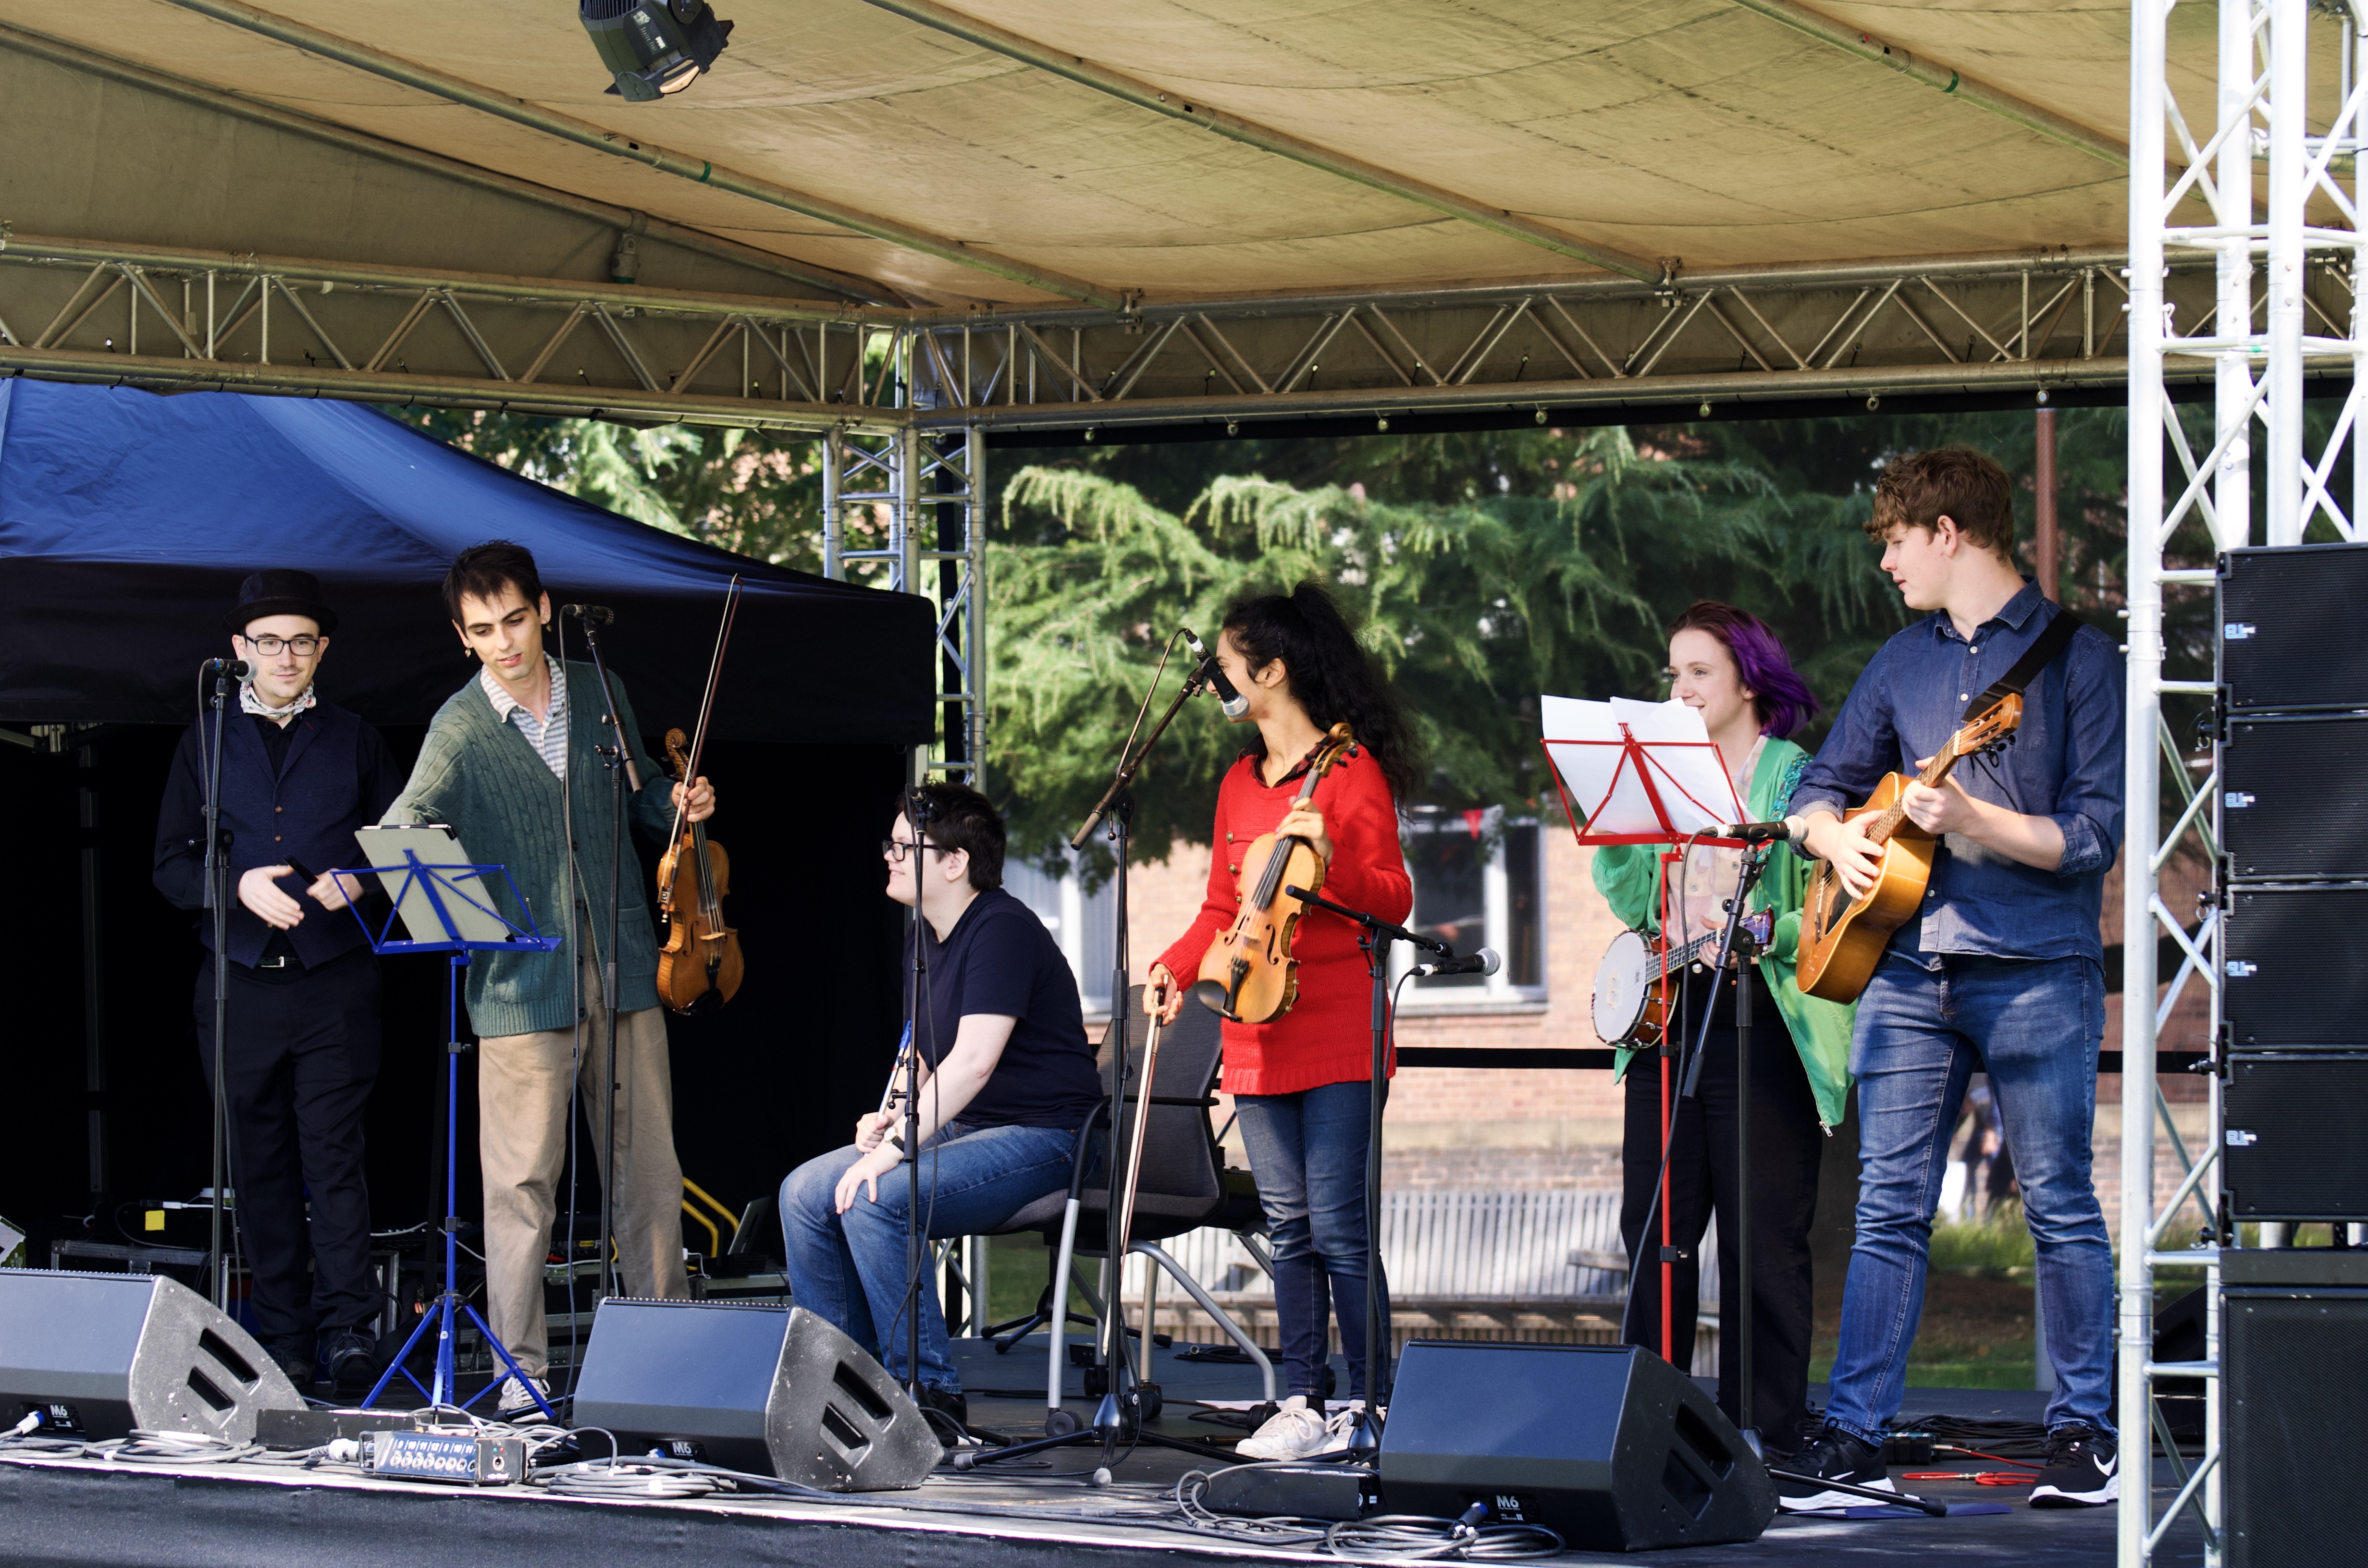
x=1241 y=161
x=1690 y=129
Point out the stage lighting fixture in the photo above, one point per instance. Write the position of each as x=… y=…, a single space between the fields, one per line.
x=653 y=48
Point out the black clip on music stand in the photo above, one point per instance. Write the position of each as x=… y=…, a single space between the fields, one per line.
x=434 y=884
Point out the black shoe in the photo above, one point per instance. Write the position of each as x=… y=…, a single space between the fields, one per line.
x=293 y=1355
x=348 y=1353
x=1835 y=1456
x=2084 y=1469
x=950 y=1404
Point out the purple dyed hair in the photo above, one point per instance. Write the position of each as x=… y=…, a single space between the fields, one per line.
x=1781 y=699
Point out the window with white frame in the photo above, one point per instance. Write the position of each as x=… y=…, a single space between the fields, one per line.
x=1478 y=882
x=1081 y=923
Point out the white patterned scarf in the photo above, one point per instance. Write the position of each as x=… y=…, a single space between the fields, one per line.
x=250 y=703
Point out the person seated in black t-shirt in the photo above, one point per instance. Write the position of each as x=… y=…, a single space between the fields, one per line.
x=1008 y=1080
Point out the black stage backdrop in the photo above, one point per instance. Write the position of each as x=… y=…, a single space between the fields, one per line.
x=775 y=1077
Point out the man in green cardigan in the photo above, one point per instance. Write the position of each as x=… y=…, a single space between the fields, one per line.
x=510 y=764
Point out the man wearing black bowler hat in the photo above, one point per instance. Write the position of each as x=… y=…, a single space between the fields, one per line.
x=299 y=775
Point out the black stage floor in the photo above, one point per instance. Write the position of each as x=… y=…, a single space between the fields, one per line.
x=82 y=1512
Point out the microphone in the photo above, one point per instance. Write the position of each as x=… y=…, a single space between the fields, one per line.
x=1233 y=702
x=1484 y=962
x=234 y=668
x=599 y=615
x=1785 y=832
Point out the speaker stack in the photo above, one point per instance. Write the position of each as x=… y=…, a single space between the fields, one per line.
x=2294 y=890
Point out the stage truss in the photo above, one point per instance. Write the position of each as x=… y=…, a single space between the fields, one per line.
x=905 y=510
x=2262 y=344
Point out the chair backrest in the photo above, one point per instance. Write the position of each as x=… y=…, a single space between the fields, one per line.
x=1180 y=1162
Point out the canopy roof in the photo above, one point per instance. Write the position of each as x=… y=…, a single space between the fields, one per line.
x=1022 y=158
x=127 y=520
x=1700 y=130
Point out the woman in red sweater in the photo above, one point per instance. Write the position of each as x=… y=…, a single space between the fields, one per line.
x=1302 y=1084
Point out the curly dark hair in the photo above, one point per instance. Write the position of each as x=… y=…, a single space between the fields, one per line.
x=1331 y=674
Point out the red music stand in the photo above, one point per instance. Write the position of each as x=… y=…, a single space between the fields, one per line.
x=1658 y=784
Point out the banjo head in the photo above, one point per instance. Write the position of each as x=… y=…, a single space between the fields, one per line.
x=1623 y=988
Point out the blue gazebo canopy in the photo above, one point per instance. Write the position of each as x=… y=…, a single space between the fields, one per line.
x=128 y=519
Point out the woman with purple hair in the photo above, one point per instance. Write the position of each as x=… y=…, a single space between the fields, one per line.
x=1726 y=662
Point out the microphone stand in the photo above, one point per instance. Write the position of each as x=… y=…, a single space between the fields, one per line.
x=218 y=901
x=917 y=1247
x=619 y=760
x=1118 y=1404
x=1375 y=943
x=1118 y=1417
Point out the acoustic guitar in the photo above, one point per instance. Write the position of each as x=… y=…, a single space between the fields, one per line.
x=1843 y=939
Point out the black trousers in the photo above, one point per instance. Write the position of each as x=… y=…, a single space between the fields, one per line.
x=1785 y=1150
x=302 y=1056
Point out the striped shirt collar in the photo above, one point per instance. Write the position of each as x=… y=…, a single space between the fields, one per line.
x=549 y=738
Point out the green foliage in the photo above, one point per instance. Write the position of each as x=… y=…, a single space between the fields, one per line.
x=1997 y=1248
x=756 y=493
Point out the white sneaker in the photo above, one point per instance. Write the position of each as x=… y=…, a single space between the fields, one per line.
x=515 y=1400
x=1297 y=1431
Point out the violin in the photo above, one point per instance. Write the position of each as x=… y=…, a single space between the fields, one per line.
x=699 y=963
x=1248 y=974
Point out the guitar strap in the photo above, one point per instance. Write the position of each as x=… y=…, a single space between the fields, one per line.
x=2037 y=657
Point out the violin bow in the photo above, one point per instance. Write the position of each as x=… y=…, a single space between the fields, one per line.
x=707 y=702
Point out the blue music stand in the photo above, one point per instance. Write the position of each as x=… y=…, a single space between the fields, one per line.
x=434 y=884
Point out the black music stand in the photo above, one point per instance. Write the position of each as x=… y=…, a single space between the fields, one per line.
x=434 y=885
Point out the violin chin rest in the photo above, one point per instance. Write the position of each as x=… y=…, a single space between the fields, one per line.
x=1211 y=995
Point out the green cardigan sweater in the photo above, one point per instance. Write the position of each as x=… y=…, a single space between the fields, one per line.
x=1626 y=874
x=483 y=777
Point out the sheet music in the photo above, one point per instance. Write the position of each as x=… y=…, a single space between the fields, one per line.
x=463 y=894
x=1603 y=780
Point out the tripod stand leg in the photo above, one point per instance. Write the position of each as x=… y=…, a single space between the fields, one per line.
x=503 y=1351
x=398 y=1365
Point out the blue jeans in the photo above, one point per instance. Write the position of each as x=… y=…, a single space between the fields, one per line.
x=2035 y=1026
x=1307 y=1150
x=851 y=1268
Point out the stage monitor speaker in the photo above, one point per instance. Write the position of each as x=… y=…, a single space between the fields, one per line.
x=2291 y=1148
x=2294 y=797
x=2296 y=975
x=100 y=1355
x=1610 y=1446
x=774 y=1390
x=2291 y=1324
x=2289 y=627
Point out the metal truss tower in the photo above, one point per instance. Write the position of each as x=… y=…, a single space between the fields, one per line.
x=2257 y=343
x=905 y=510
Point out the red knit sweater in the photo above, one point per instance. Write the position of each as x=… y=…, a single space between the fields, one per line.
x=1327 y=1038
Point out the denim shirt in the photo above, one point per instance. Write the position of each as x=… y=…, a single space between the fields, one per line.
x=2065 y=763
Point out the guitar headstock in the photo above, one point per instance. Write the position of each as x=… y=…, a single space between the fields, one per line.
x=1988 y=729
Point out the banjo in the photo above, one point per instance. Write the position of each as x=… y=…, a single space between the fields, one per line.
x=1629 y=1006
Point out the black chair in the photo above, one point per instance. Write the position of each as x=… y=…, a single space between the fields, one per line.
x=1184 y=1186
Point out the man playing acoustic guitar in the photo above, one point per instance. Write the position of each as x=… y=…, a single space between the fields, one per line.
x=2002 y=968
